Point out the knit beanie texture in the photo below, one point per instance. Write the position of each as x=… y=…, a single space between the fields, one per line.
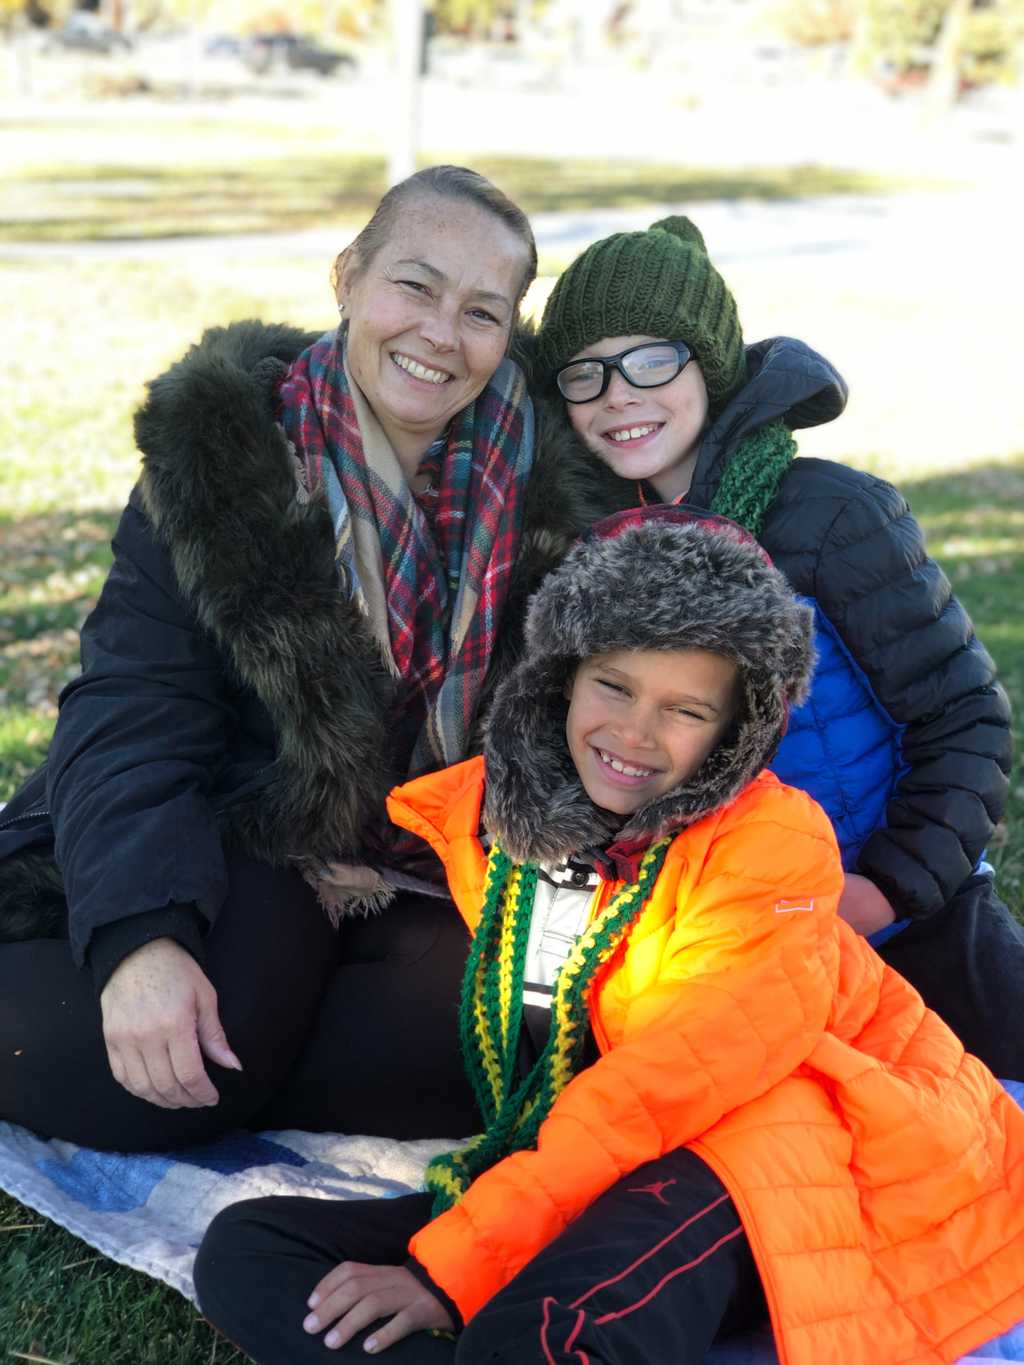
x=658 y=283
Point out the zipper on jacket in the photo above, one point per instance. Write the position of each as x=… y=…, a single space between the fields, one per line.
x=25 y=815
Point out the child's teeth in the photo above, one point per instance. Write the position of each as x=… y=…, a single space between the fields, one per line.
x=631 y=434
x=419 y=371
x=625 y=768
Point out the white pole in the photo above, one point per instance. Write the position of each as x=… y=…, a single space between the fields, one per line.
x=407 y=35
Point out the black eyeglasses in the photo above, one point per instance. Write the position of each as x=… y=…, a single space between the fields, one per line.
x=646 y=366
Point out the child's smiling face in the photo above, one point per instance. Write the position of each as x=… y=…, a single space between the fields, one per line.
x=641 y=722
x=668 y=422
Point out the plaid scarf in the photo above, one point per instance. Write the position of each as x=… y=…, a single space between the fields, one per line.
x=432 y=593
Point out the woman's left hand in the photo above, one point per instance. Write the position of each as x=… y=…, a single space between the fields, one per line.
x=352 y=1296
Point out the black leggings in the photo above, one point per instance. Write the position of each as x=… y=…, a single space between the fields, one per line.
x=349 y=1032
x=654 y=1270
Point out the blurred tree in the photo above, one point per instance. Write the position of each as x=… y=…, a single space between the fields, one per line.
x=944 y=44
x=328 y=18
x=32 y=12
x=950 y=44
x=486 y=18
x=815 y=23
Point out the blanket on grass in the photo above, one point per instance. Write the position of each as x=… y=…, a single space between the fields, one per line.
x=150 y=1212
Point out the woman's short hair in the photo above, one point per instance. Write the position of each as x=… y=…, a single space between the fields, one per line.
x=448 y=182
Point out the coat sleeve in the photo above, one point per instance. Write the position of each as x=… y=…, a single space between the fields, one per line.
x=896 y=613
x=741 y=997
x=139 y=736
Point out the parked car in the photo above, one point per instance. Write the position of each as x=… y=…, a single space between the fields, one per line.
x=83 y=32
x=266 y=52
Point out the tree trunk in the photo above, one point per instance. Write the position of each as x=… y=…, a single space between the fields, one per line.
x=944 y=79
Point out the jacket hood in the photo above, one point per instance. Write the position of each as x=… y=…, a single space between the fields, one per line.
x=660 y=578
x=786 y=381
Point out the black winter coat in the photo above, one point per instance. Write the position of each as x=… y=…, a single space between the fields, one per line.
x=905 y=739
x=230 y=692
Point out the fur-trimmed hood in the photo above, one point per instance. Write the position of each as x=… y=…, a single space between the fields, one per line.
x=661 y=578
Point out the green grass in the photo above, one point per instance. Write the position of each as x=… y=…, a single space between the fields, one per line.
x=83 y=336
x=61 y=1301
x=215 y=181
x=975 y=527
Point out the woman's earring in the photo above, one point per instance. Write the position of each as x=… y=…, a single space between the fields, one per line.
x=341 y=309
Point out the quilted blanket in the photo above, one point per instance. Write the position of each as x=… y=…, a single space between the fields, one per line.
x=150 y=1212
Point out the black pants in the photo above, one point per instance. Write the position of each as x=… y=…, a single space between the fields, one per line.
x=654 y=1270
x=350 y=1032
x=968 y=964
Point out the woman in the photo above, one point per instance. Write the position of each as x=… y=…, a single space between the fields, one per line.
x=905 y=738
x=307 y=587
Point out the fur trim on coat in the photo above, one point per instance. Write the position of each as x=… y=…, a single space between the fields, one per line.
x=660 y=579
x=219 y=483
x=255 y=560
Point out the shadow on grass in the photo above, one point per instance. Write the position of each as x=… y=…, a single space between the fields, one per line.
x=35 y=548
x=121 y=202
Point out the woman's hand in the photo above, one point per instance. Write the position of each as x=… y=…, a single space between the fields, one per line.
x=159 y=1019
x=353 y=1295
x=863 y=906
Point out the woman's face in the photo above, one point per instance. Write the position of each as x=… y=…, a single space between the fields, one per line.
x=429 y=316
x=648 y=434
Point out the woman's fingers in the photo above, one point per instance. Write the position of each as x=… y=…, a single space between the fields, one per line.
x=212 y=1040
x=134 y=1074
x=185 y=1060
x=153 y=1006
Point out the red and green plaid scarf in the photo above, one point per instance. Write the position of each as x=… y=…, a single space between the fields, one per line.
x=445 y=585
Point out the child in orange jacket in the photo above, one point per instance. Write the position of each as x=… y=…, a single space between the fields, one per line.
x=704 y=1099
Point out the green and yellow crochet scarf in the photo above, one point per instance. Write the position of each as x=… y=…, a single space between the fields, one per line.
x=491 y=1010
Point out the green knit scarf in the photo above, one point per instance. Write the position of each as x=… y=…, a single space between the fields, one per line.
x=753 y=475
x=491 y=1011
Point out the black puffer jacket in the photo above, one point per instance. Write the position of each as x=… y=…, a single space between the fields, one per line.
x=905 y=739
x=229 y=690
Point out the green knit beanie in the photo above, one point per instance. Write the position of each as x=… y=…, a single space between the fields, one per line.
x=657 y=283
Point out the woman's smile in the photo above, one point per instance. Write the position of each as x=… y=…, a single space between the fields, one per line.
x=429 y=317
x=415 y=369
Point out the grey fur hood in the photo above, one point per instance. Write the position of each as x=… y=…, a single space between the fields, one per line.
x=659 y=578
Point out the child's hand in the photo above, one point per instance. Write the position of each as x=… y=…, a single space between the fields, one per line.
x=353 y=1295
x=863 y=906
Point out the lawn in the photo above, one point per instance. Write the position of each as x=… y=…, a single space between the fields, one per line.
x=156 y=179
x=83 y=335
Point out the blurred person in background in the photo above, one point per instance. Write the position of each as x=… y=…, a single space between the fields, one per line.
x=905 y=738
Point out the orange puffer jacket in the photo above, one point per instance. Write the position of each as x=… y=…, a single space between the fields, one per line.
x=878 y=1170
